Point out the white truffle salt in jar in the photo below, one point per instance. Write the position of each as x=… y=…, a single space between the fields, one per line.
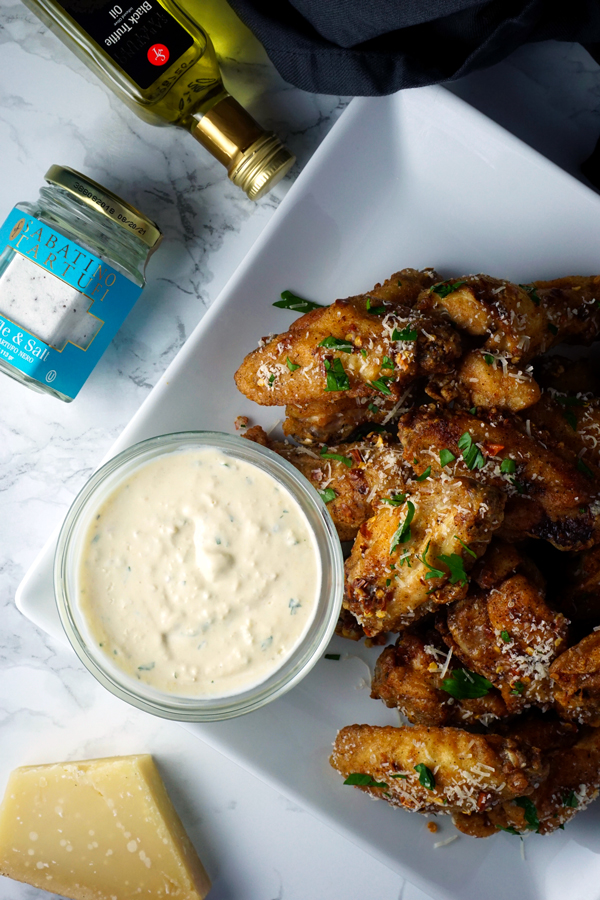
x=71 y=268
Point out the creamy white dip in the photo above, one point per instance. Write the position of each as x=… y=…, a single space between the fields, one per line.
x=199 y=575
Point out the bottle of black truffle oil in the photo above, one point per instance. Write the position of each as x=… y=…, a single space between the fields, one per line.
x=163 y=65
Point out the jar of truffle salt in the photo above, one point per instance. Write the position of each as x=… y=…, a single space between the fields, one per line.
x=71 y=268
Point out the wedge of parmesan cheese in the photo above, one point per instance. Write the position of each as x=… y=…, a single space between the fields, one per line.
x=99 y=829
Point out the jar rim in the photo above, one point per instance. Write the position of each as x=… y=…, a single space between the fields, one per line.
x=107 y=203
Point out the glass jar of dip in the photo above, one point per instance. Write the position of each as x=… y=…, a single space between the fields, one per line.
x=71 y=268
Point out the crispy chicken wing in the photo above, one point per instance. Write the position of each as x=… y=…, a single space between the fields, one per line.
x=413 y=555
x=410 y=676
x=573 y=760
x=576 y=677
x=359 y=474
x=358 y=356
x=511 y=637
x=519 y=321
x=489 y=381
x=548 y=496
x=342 y=349
x=573 y=782
x=440 y=770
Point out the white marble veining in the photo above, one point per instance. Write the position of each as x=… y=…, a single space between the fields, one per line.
x=256 y=844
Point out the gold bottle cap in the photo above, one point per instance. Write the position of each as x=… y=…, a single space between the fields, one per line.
x=104 y=201
x=262 y=165
x=255 y=159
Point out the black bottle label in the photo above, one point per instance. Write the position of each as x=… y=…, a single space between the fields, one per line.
x=143 y=38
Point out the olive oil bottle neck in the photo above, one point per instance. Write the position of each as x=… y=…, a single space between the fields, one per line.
x=254 y=158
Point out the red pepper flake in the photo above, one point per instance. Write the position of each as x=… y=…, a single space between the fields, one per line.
x=493 y=449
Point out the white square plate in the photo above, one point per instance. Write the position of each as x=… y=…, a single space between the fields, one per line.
x=416 y=179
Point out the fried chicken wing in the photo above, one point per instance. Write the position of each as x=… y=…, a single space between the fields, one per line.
x=358 y=474
x=572 y=784
x=576 y=677
x=489 y=381
x=410 y=676
x=342 y=350
x=440 y=770
x=404 y=287
x=414 y=555
x=511 y=637
x=548 y=496
x=554 y=801
x=519 y=321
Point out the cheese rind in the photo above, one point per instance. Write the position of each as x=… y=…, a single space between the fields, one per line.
x=101 y=829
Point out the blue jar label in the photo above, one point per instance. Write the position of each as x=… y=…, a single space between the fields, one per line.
x=60 y=305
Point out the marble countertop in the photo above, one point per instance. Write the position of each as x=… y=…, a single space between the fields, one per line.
x=256 y=844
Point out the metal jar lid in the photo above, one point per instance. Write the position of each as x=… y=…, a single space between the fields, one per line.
x=107 y=203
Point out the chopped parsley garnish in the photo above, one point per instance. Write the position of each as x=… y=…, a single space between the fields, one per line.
x=409 y=333
x=456 y=566
x=387 y=363
x=424 y=474
x=508 y=466
x=271 y=379
x=532 y=293
x=347 y=460
x=374 y=409
x=337 y=379
x=518 y=485
x=473 y=410
x=426 y=777
x=531 y=815
x=571 y=800
x=327 y=495
x=569 y=401
x=505 y=637
x=509 y=829
x=446 y=287
x=570 y=418
x=396 y=500
x=489 y=359
x=375 y=310
x=466 y=546
x=463 y=684
x=291 y=366
x=583 y=468
x=552 y=328
x=297 y=304
x=433 y=572
x=332 y=655
x=517 y=688
x=403 y=533
x=363 y=780
x=399 y=776
x=363 y=353
x=381 y=386
x=446 y=457
x=337 y=344
x=472 y=455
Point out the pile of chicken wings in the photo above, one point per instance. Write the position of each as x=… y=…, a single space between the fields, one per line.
x=464 y=466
